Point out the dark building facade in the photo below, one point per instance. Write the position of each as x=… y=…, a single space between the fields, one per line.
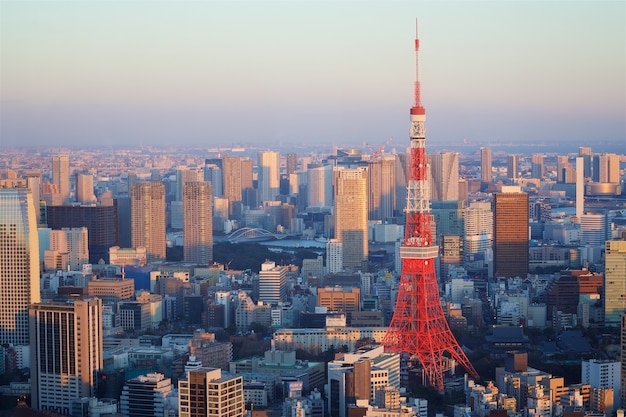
x=100 y=221
x=510 y=234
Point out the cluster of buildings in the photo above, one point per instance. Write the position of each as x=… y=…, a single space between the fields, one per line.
x=86 y=287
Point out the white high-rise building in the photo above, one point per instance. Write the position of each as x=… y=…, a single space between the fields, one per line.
x=66 y=352
x=224 y=298
x=580 y=186
x=269 y=175
x=320 y=185
x=272 y=283
x=19 y=264
x=334 y=256
x=147 y=395
x=478 y=234
x=602 y=374
x=594 y=229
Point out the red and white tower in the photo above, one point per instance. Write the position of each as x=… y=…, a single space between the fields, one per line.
x=418 y=327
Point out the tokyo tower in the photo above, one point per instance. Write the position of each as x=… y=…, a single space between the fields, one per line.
x=418 y=327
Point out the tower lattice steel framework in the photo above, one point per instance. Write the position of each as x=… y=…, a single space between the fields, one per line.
x=418 y=327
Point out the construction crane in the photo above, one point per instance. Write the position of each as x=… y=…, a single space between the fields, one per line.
x=380 y=151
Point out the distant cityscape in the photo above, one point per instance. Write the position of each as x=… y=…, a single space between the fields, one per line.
x=112 y=257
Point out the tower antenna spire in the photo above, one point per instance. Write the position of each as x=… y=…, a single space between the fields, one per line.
x=418 y=327
x=417 y=93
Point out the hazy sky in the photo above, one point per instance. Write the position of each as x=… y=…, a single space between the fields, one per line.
x=219 y=73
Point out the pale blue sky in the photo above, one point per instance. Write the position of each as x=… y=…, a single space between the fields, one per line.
x=260 y=72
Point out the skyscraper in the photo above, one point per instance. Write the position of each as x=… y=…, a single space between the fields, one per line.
x=614 y=281
x=147 y=395
x=351 y=216
x=66 y=352
x=511 y=167
x=84 y=188
x=19 y=264
x=291 y=163
x=147 y=207
x=381 y=187
x=586 y=154
x=444 y=167
x=319 y=184
x=61 y=175
x=75 y=242
x=478 y=235
x=607 y=167
x=269 y=175
x=485 y=164
x=272 y=283
x=232 y=182
x=510 y=232
x=562 y=165
x=536 y=165
x=198 y=223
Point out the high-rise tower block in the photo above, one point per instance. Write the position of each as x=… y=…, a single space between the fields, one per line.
x=418 y=327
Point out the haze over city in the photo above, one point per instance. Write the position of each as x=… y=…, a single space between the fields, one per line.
x=277 y=73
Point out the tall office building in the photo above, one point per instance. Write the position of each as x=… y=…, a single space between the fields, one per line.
x=334 y=256
x=614 y=281
x=147 y=207
x=198 y=223
x=562 y=166
x=210 y=392
x=606 y=168
x=512 y=167
x=213 y=174
x=536 y=165
x=319 y=184
x=485 y=164
x=185 y=175
x=66 y=352
x=231 y=166
x=147 y=395
x=381 y=200
x=84 y=188
x=61 y=175
x=510 y=232
x=350 y=214
x=272 y=283
x=594 y=228
x=291 y=163
x=444 y=168
x=269 y=175
x=580 y=187
x=586 y=154
x=478 y=234
x=19 y=264
x=33 y=181
x=248 y=191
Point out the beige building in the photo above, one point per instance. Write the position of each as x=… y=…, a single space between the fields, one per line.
x=61 y=176
x=66 y=352
x=209 y=392
x=351 y=216
x=614 y=287
x=19 y=263
x=84 y=188
x=128 y=256
x=121 y=289
x=338 y=298
x=147 y=218
x=198 y=223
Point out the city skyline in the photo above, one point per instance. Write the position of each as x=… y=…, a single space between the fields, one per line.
x=275 y=73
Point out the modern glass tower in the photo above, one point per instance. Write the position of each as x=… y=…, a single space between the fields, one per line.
x=19 y=264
